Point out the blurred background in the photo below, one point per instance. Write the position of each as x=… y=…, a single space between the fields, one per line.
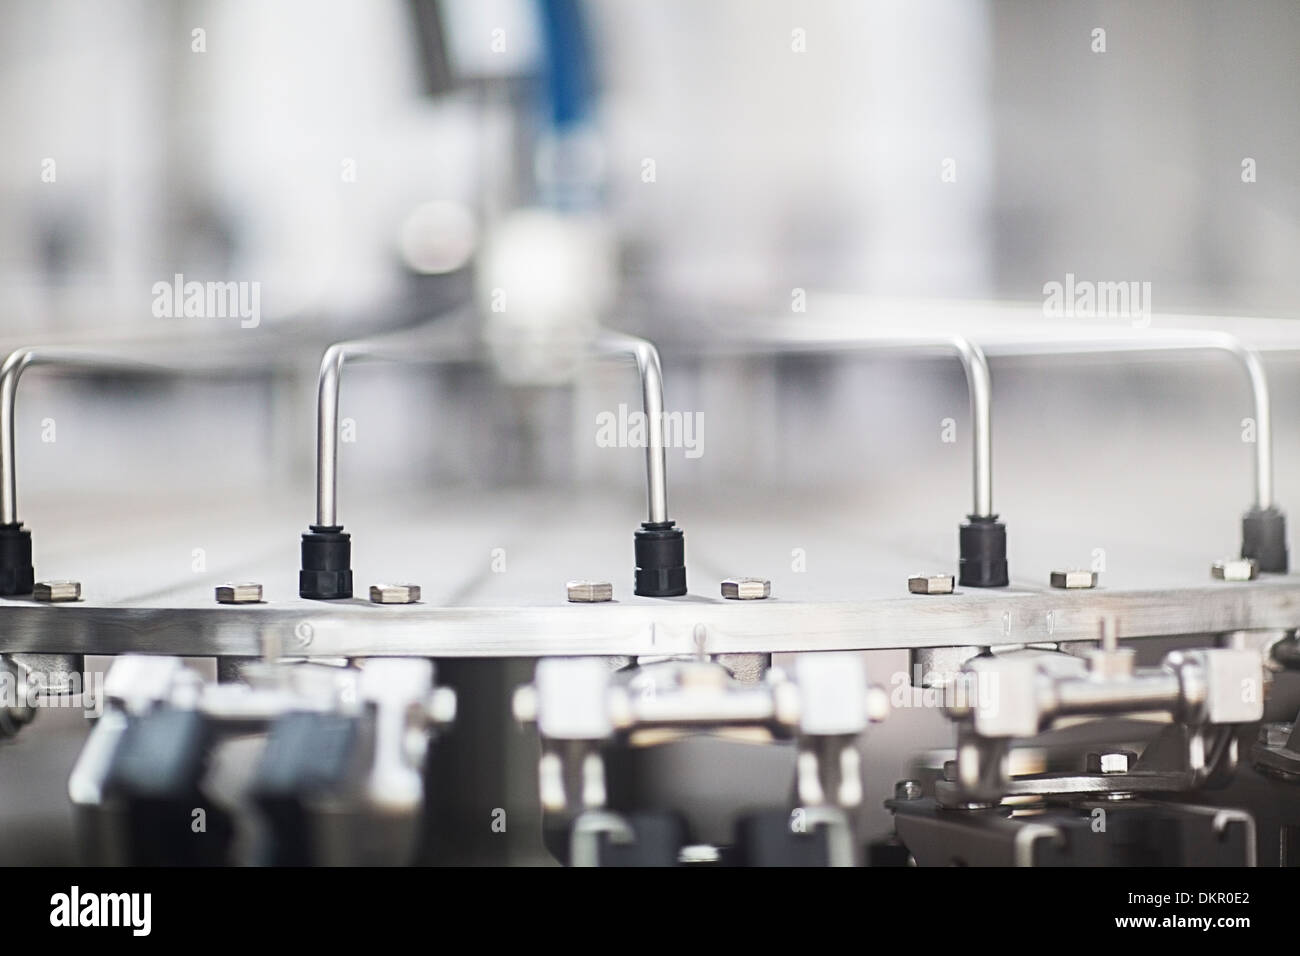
x=678 y=169
x=662 y=167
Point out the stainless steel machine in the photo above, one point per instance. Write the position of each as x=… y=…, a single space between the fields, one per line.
x=363 y=385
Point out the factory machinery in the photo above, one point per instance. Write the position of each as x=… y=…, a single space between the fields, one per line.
x=339 y=687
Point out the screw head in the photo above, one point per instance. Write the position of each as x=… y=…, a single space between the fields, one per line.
x=1074 y=579
x=56 y=591
x=394 y=593
x=930 y=583
x=590 y=592
x=907 y=790
x=243 y=593
x=746 y=589
x=1235 y=569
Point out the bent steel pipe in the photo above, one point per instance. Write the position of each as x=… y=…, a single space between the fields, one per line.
x=1264 y=525
x=978 y=384
x=326 y=549
x=16 y=573
x=982 y=560
x=652 y=404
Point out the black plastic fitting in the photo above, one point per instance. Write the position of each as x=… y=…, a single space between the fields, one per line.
x=660 y=560
x=1263 y=537
x=326 y=572
x=983 y=542
x=17 y=576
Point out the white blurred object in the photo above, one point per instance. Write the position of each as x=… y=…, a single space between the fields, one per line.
x=438 y=237
x=544 y=280
x=492 y=38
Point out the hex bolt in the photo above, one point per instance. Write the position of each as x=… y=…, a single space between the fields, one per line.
x=394 y=593
x=57 y=591
x=1115 y=762
x=1074 y=579
x=907 y=790
x=930 y=584
x=1275 y=735
x=243 y=593
x=1235 y=569
x=589 y=592
x=746 y=589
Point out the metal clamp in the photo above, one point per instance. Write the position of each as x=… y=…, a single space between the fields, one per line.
x=1001 y=698
x=578 y=705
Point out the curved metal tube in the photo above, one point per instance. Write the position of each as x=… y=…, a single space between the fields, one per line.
x=1156 y=340
x=652 y=402
x=609 y=343
x=979 y=385
x=1254 y=368
x=327 y=411
x=975 y=364
x=10 y=373
x=327 y=433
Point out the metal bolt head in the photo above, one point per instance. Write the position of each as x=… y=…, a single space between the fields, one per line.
x=1116 y=762
x=907 y=790
x=590 y=592
x=930 y=583
x=394 y=593
x=243 y=593
x=1275 y=735
x=746 y=589
x=1235 y=569
x=55 y=591
x=1074 y=580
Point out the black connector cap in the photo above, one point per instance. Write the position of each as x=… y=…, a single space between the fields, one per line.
x=326 y=564
x=1263 y=537
x=983 y=544
x=17 y=576
x=660 y=560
